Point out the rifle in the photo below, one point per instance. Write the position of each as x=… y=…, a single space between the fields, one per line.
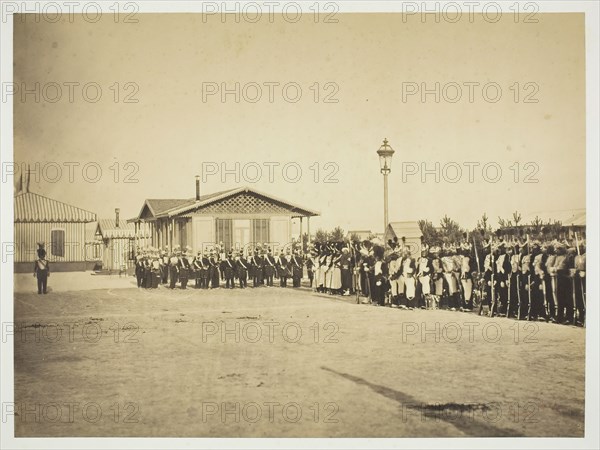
x=478 y=277
x=492 y=287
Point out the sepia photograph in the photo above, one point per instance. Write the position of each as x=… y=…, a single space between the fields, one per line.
x=320 y=224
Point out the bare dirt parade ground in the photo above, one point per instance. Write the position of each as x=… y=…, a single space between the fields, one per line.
x=114 y=360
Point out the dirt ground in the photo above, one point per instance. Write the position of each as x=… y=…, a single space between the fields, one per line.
x=272 y=362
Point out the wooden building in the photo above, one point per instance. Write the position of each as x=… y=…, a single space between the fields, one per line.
x=117 y=239
x=411 y=233
x=238 y=218
x=59 y=225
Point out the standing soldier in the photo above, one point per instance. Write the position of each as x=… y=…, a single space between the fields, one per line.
x=450 y=279
x=269 y=267
x=259 y=268
x=502 y=274
x=283 y=269
x=346 y=269
x=205 y=271
x=174 y=267
x=242 y=270
x=466 y=277
x=550 y=281
x=438 y=277
x=579 y=265
x=525 y=295
x=184 y=269
x=156 y=269
x=424 y=270
x=197 y=266
x=563 y=295
x=297 y=268
x=148 y=268
x=489 y=269
x=539 y=300
x=380 y=274
x=310 y=266
x=394 y=267
x=139 y=269
x=213 y=270
x=228 y=270
x=513 y=308
x=164 y=266
x=41 y=269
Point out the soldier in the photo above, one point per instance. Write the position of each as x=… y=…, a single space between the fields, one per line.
x=335 y=272
x=539 y=300
x=502 y=274
x=451 y=282
x=155 y=269
x=164 y=266
x=346 y=271
x=380 y=276
x=139 y=269
x=524 y=281
x=184 y=269
x=437 y=276
x=269 y=267
x=228 y=271
x=579 y=265
x=466 y=277
x=41 y=269
x=297 y=268
x=310 y=266
x=174 y=267
x=205 y=270
x=147 y=284
x=197 y=266
x=283 y=269
x=322 y=269
x=242 y=270
x=259 y=264
x=562 y=284
x=489 y=271
x=550 y=281
x=513 y=281
x=424 y=270
x=395 y=268
x=213 y=270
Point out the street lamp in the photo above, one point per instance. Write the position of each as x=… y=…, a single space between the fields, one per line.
x=385 y=153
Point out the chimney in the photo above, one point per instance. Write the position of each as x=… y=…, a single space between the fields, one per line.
x=197 y=188
x=117 y=210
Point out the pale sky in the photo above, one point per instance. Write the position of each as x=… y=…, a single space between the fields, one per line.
x=172 y=130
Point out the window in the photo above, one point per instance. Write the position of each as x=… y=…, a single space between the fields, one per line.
x=260 y=230
x=224 y=232
x=57 y=243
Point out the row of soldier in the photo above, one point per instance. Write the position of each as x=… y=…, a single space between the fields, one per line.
x=209 y=268
x=525 y=280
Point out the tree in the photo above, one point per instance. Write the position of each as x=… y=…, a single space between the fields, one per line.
x=450 y=231
x=430 y=234
x=354 y=237
x=321 y=236
x=338 y=234
x=516 y=218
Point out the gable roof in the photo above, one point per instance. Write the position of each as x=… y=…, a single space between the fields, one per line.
x=175 y=207
x=406 y=229
x=107 y=228
x=31 y=207
x=159 y=207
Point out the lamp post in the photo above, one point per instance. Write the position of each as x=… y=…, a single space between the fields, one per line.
x=385 y=153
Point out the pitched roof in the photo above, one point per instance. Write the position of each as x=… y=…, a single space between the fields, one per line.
x=31 y=207
x=158 y=207
x=406 y=229
x=244 y=189
x=175 y=207
x=107 y=228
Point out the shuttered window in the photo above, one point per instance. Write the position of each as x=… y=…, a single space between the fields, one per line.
x=260 y=230
x=57 y=243
x=224 y=228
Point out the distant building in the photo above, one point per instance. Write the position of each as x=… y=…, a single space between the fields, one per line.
x=117 y=239
x=411 y=233
x=236 y=217
x=572 y=221
x=59 y=225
